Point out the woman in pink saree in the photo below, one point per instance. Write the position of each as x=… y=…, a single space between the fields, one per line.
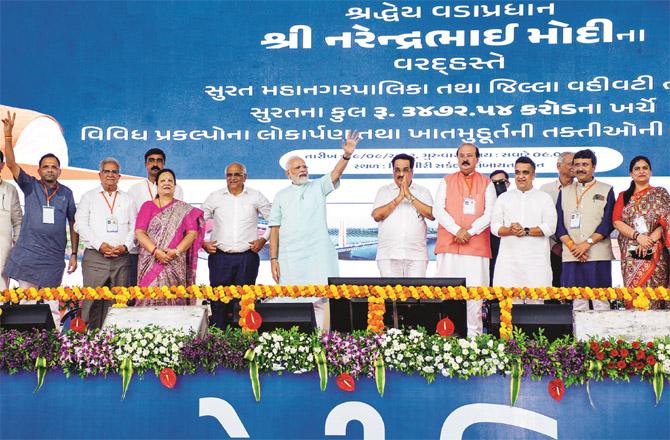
x=169 y=232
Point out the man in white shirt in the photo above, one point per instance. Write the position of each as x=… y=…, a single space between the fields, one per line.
x=524 y=218
x=145 y=190
x=154 y=160
x=234 y=244
x=565 y=178
x=10 y=221
x=105 y=219
x=401 y=209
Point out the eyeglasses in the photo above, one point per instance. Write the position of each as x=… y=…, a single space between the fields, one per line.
x=234 y=174
x=115 y=172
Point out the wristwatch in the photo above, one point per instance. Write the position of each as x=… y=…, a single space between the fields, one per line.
x=526 y=231
x=589 y=241
x=411 y=199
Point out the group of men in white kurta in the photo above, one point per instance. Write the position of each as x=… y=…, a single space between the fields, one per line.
x=465 y=208
x=301 y=251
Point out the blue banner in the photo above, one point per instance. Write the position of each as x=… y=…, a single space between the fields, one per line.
x=254 y=81
x=292 y=406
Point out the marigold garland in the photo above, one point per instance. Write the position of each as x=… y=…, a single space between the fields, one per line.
x=376 y=295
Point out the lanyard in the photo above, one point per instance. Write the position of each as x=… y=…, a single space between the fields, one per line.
x=46 y=192
x=151 y=195
x=111 y=207
x=579 y=198
x=468 y=183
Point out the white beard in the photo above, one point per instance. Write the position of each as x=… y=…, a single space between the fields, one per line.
x=297 y=180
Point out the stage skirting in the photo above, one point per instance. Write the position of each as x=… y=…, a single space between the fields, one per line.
x=222 y=405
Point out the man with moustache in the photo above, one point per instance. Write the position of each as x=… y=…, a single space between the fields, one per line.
x=37 y=259
x=500 y=180
x=401 y=209
x=301 y=251
x=524 y=218
x=584 y=211
x=463 y=205
x=145 y=190
x=154 y=161
x=234 y=244
x=105 y=219
x=565 y=178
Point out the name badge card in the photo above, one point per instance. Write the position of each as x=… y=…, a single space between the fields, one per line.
x=469 y=206
x=48 y=215
x=112 y=224
x=640 y=225
x=575 y=220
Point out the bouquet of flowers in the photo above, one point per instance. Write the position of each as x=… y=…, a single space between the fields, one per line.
x=619 y=359
x=87 y=353
x=149 y=348
x=663 y=354
x=352 y=353
x=20 y=349
x=286 y=350
x=216 y=349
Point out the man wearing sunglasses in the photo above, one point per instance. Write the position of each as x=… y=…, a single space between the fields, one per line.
x=234 y=244
x=500 y=181
x=105 y=220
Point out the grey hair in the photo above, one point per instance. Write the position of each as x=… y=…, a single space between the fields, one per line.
x=107 y=160
x=561 y=157
x=241 y=165
x=292 y=158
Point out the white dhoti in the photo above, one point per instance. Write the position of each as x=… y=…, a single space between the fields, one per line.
x=476 y=273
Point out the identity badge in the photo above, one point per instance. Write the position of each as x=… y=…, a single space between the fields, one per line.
x=640 y=225
x=112 y=224
x=48 y=215
x=469 y=206
x=575 y=220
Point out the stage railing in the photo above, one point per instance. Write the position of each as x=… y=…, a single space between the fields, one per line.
x=376 y=296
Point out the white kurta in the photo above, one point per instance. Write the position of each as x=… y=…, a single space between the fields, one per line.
x=524 y=261
x=10 y=223
x=402 y=235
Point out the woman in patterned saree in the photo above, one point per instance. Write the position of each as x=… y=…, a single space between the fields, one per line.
x=637 y=216
x=169 y=232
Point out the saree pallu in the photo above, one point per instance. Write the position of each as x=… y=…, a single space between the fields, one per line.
x=665 y=224
x=652 y=205
x=166 y=227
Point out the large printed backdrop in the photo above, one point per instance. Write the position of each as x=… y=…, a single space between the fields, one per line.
x=252 y=81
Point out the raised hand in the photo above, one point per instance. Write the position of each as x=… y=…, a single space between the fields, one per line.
x=349 y=144
x=8 y=123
